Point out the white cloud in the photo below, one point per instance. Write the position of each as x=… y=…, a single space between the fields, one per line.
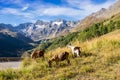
x=88 y=7
x=25 y=7
x=76 y=9
x=57 y=11
x=16 y=12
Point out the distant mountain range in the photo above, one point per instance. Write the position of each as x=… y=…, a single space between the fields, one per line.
x=45 y=30
x=16 y=39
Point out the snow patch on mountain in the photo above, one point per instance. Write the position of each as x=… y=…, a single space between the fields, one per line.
x=45 y=30
x=57 y=23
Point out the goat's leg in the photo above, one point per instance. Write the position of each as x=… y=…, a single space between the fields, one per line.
x=35 y=56
x=73 y=53
x=78 y=54
x=57 y=63
x=43 y=58
x=68 y=61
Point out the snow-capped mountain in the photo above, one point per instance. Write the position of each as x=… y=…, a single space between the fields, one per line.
x=46 y=30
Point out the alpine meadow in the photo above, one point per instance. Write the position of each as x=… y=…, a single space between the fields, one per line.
x=60 y=46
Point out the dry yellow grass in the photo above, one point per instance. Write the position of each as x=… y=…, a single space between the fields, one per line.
x=100 y=60
x=104 y=52
x=99 y=55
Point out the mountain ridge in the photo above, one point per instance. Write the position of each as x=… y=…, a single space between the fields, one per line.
x=13 y=43
x=98 y=16
x=46 y=30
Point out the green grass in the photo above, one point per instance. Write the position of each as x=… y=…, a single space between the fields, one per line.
x=92 y=31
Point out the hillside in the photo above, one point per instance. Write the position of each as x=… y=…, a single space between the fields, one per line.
x=95 y=30
x=12 y=44
x=97 y=34
x=100 y=60
x=98 y=16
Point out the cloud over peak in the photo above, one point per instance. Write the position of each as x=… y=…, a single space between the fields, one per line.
x=33 y=10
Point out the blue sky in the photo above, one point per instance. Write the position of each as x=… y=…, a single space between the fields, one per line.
x=21 y=11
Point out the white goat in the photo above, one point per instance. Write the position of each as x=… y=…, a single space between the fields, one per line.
x=75 y=50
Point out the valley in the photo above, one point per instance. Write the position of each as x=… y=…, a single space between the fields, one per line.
x=97 y=35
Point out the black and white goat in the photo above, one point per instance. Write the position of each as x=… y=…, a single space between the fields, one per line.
x=75 y=50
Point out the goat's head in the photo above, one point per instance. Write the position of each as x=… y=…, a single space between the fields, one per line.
x=69 y=45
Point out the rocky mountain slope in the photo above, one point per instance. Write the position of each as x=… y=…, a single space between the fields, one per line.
x=16 y=39
x=101 y=15
x=11 y=42
x=46 y=30
x=95 y=30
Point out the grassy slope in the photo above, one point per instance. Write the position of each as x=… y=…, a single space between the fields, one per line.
x=94 y=30
x=100 y=60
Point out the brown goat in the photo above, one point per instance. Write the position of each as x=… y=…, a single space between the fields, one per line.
x=59 y=57
x=37 y=53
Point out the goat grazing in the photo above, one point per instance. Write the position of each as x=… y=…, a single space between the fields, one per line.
x=75 y=50
x=37 y=53
x=59 y=57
